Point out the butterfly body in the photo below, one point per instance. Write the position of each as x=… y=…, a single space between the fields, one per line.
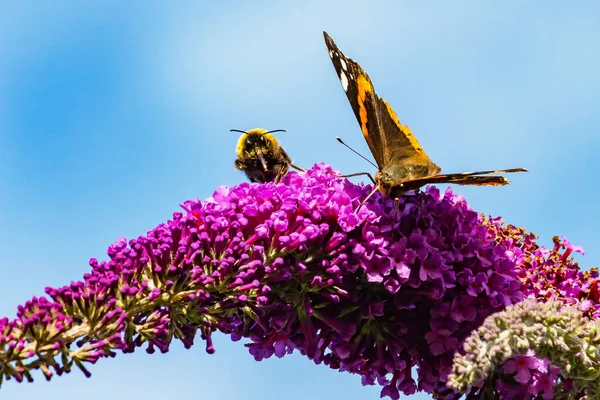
x=403 y=164
x=389 y=179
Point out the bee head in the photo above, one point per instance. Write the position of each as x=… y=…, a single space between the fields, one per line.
x=255 y=139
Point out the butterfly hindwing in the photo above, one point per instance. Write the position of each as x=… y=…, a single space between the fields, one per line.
x=463 y=178
x=457 y=179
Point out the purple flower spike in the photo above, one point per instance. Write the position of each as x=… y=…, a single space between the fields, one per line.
x=293 y=266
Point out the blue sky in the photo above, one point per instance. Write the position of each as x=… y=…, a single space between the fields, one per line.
x=112 y=115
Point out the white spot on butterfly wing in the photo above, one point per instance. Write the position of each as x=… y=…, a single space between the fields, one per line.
x=344 y=81
x=344 y=66
x=331 y=53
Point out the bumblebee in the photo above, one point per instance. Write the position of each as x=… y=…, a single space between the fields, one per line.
x=261 y=157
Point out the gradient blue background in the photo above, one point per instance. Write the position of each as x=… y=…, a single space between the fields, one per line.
x=112 y=115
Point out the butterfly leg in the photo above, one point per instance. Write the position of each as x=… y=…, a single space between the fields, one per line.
x=367 y=198
x=418 y=193
x=422 y=208
x=397 y=231
x=356 y=174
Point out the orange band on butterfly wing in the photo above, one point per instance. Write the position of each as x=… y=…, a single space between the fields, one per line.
x=363 y=87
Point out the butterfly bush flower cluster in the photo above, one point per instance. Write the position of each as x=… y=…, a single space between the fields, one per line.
x=294 y=266
x=559 y=332
x=547 y=275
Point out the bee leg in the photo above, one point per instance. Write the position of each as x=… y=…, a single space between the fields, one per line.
x=356 y=174
x=239 y=164
x=279 y=170
x=297 y=167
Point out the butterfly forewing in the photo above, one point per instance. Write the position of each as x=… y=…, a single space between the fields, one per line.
x=389 y=140
x=401 y=146
x=403 y=165
x=359 y=90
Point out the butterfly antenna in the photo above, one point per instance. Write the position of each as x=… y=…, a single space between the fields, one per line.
x=356 y=152
x=273 y=131
x=237 y=130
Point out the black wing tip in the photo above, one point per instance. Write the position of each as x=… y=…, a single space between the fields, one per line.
x=329 y=41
